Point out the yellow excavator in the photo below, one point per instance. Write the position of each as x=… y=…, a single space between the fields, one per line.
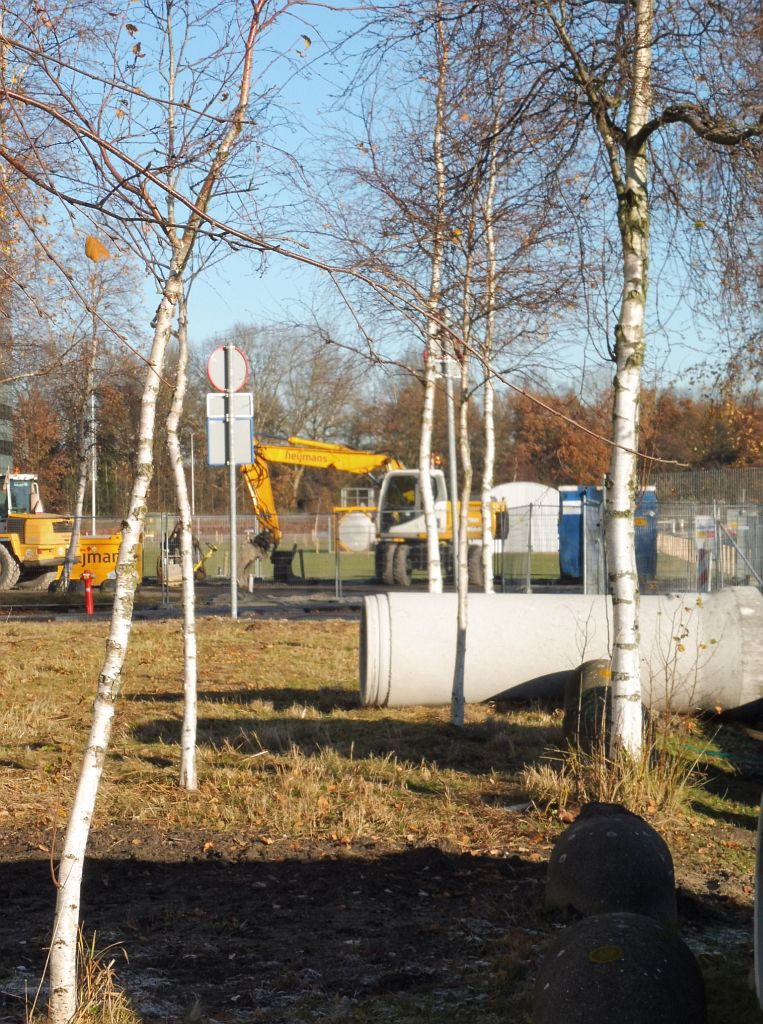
x=399 y=517
x=299 y=451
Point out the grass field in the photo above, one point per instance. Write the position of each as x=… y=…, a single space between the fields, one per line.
x=344 y=863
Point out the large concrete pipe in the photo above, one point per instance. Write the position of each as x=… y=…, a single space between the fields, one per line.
x=697 y=651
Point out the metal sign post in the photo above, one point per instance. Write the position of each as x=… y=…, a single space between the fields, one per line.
x=228 y=370
x=229 y=420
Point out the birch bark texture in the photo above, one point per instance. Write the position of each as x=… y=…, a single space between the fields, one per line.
x=86 y=428
x=633 y=222
x=188 y=774
x=434 y=307
x=630 y=185
x=488 y=402
x=63 y=953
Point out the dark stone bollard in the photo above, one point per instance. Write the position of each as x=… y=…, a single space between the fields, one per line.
x=619 y=969
x=612 y=860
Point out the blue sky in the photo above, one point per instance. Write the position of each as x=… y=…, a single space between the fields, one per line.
x=236 y=291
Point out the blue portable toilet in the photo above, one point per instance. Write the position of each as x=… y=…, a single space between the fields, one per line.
x=571 y=498
x=571 y=531
x=645 y=522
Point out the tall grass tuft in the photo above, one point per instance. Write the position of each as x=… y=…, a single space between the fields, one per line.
x=100 y=998
x=101 y=1001
x=658 y=781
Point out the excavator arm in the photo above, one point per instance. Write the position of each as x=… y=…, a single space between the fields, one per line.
x=257 y=479
x=299 y=451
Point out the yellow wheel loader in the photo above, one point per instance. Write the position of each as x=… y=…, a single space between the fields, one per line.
x=33 y=544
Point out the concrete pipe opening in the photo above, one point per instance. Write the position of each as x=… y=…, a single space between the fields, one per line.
x=698 y=652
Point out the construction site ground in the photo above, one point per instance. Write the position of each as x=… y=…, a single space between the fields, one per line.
x=243 y=926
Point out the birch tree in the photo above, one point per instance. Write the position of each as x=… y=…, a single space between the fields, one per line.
x=63 y=957
x=607 y=55
x=433 y=353
x=188 y=776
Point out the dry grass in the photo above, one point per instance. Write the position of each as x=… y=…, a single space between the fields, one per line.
x=99 y=993
x=100 y=997
x=286 y=754
x=663 y=779
x=656 y=782
x=284 y=750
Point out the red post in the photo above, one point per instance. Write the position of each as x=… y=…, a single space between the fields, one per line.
x=88 y=578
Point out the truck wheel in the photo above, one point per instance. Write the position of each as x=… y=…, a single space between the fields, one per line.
x=388 y=564
x=401 y=569
x=384 y=558
x=10 y=570
x=476 y=571
x=43 y=581
x=379 y=562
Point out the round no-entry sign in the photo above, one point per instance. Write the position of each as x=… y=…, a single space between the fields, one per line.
x=239 y=368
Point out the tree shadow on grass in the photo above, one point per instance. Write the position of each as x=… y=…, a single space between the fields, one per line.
x=721 y=787
x=476 y=748
x=277 y=935
x=323 y=699
x=741 y=752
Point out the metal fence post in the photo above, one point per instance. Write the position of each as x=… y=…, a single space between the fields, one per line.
x=584 y=546
x=164 y=555
x=337 y=557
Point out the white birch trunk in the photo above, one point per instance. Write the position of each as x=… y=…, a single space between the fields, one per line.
x=434 y=348
x=434 y=568
x=633 y=221
x=188 y=778
x=467 y=475
x=488 y=409
x=465 y=455
x=63 y=952
x=488 y=470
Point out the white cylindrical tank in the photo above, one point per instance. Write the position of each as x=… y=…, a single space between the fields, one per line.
x=533 y=516
x=356 y=531
x=697 y=651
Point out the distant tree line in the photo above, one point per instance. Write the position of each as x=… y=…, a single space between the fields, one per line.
x=306 y=386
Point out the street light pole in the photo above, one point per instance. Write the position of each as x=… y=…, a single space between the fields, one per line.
x=193 y=480
x=231 y=454
x=93 y=462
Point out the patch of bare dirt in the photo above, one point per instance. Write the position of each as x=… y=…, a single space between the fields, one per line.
x=287 y=931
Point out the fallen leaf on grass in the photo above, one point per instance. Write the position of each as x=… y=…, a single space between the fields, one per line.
x=568 y=815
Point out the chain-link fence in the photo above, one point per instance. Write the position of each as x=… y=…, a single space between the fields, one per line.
x=680 y=546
